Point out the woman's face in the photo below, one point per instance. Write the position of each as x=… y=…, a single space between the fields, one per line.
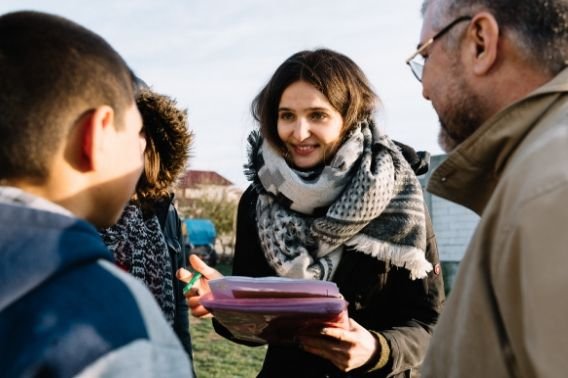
x=308 y=125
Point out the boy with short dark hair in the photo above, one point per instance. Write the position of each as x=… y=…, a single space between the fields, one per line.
x=71 y=154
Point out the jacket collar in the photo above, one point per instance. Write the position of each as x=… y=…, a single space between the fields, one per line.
x=470 y=173
x=16 y=196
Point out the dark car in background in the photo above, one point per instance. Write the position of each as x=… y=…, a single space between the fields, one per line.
x=201 y=235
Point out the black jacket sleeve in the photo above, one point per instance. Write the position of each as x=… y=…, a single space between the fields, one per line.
x=178 y=257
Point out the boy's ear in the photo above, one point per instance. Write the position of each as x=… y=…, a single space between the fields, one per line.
x=94 y=127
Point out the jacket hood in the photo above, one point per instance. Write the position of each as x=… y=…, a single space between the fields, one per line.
x=36 y=245
x=166 y=126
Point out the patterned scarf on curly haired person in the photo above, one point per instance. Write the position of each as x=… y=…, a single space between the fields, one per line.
x=139 y=247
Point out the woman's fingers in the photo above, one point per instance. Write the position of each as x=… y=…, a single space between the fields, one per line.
x=194 y=295
x=198 y=288
x=184 y=275
x=196 y=308
x=200 y=266
x=347 y=348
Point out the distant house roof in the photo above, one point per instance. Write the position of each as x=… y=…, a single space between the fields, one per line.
x=193 y=178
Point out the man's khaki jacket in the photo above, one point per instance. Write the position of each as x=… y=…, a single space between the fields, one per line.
x=507 y=314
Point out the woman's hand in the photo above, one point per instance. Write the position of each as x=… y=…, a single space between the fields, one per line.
x=347 y=348
x=200 y=288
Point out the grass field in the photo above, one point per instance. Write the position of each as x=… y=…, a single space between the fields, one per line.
x=217 y=357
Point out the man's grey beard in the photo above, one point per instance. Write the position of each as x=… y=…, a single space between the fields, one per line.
x=466 y=116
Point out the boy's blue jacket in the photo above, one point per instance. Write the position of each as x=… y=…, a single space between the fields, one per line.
x=66 y=310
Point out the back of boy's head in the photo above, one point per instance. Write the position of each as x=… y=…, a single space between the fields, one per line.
x=52 y=72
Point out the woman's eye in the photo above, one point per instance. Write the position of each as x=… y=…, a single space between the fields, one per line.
x=318 y=116
x=285 y=116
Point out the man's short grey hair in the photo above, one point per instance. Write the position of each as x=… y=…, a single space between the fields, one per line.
x=539 y=27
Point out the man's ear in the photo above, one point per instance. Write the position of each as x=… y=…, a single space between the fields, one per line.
x=95 y=125
x=483 y=36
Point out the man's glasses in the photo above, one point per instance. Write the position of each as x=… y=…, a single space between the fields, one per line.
x=416 y=60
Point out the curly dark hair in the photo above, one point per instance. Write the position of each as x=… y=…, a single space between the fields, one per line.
x=168 y=142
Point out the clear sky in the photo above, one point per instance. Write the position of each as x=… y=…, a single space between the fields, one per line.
x=213 y=56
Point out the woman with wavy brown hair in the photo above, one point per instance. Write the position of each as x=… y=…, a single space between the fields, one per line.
x=334 y=198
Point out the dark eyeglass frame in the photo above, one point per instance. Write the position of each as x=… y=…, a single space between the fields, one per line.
x=416 y=67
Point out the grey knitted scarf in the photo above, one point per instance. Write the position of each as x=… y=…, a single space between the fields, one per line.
x=366 y=200
x=139 y=247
